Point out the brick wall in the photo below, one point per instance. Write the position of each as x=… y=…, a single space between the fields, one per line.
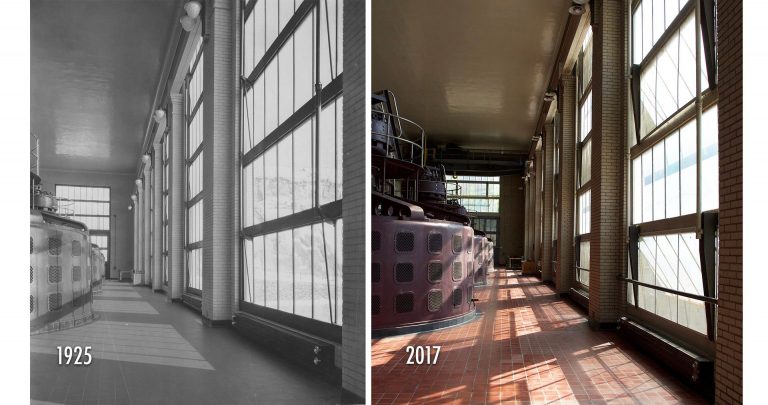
x=354 y=331
x=608 y=185
x=728 y=360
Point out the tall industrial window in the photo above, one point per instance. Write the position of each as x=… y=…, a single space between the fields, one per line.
x=663 y=165
x=151 y=220
x=91 y=206
x=194 y=158
x=556 y=178
x=164 y=214
x=476 y=193
x=584 y=161
x=292 y=164
x=480 y=196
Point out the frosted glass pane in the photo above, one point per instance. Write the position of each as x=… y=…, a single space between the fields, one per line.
x=257 y=118
x=270 y=97
x=270 y=187
x=586 y=162
x=691 y=314
x=325 y=58
x=690 y=279
x=658 y=19
x=270 y=269
x=646 y=272
x=647 y=186
x=688 y=168
x=272 y=21
x=672 y=158
x=672 y=9
x=687 y=75
x=302 y=258
x=248 y=195
x=659 y=201
x=339 y=271
x=322 y=304
x=666 y=276
x=648 y=99
x=248 y=270
x=285 y=270
x=285 y=59
x=666 y=80
x=647 y=9
x=339 y=147
x=303 y=158
x=584 y=256
x=258 y=190
x=709 y=161
x=339 y=67
x=285 y=176
x=260 y=30
x=258 y=270
x=303 y=65
x=328 y=154
x=248 y=62
x=586 y=117
x=286 y=12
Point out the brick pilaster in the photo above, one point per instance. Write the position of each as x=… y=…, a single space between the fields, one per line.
x=146 y=245
x=537 y=202
x=729 y=355
x=567 y=109
x=608 y=154
x=176 y=197
x=354 y=210
x=548 y=169
x=157 y=214
x=220 y=233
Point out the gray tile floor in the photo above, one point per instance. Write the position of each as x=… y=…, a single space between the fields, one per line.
x=147 y=350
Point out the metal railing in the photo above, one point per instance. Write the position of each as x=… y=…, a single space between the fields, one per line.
x=394 y=141
x=697 y=297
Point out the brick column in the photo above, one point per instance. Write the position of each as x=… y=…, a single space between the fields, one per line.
x=354 y=334
x=548 y=168
x=526 y=214
x=729 y=355
x=139 y=231
x=146 y=245
x=176 y=201
x=607 y=242
x=135 y=212
x=567 y=108
x=157 y=195
x=220 y=234
x=537 y=203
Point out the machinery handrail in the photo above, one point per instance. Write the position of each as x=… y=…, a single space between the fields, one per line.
x=394 y=139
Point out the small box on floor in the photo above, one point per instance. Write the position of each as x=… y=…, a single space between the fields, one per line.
x=529 y=268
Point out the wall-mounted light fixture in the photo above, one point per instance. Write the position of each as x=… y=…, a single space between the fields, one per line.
x=138 y=182
x=130 y=208
x=145 y=158
x=159 y=115
x=578 y=7
x=549 y=96
x=192 y=8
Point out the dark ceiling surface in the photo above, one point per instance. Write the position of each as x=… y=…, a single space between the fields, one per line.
x=471 y=73
x=94 y=68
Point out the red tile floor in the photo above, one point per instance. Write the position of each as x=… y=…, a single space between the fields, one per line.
x=527 y=346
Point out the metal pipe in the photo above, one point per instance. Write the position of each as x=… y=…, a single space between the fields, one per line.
x=710 y=300
x=698 y=119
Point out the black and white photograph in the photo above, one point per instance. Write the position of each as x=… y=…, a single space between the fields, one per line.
x=188 y=225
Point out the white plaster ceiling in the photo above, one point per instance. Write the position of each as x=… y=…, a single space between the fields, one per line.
x=94 y=68
x=472 y=73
